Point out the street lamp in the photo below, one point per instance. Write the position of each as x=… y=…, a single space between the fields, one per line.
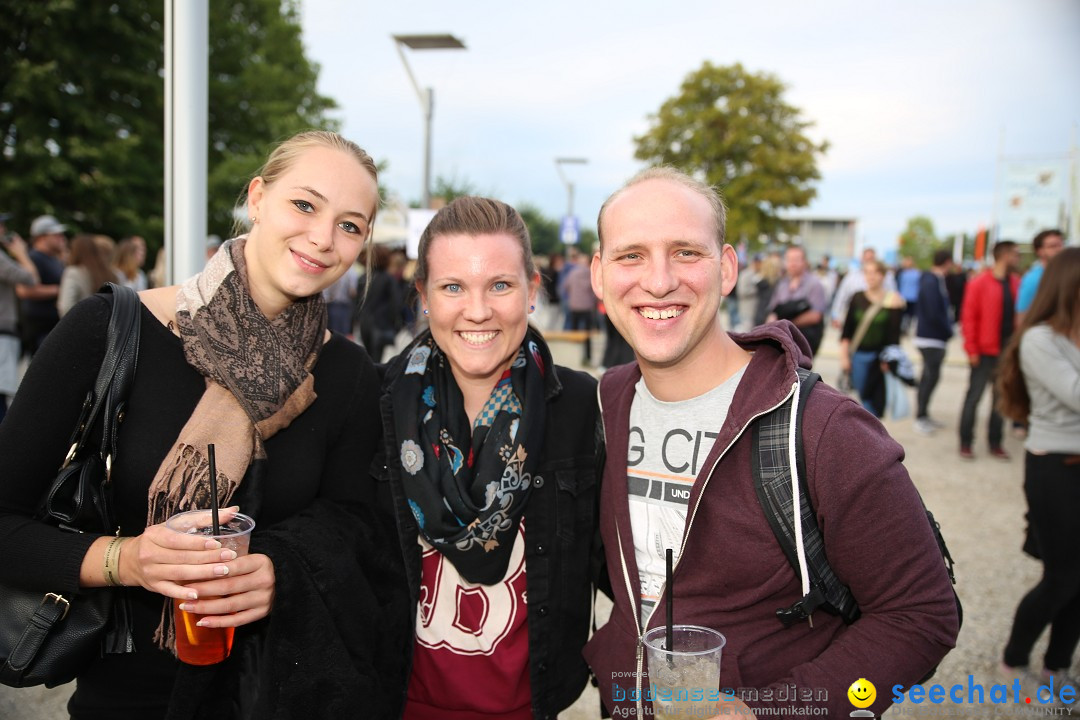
x=427 y=97
x=568 y=229
x=559 y=162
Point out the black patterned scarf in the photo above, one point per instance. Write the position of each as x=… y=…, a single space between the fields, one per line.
x=468 y=486
x=258 y=379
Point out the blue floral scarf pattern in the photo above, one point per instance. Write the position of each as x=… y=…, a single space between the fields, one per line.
x=468 y=485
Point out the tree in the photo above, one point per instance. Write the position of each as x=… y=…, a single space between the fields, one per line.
x=543 y=231
x=732 y=129
x=588 y=240
x=81 y=114
x=262 y=90
x=919 y=242
x=450 y=188
x=82 y=108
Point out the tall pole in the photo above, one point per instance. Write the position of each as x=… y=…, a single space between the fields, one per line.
x=559 y=162
x=995 y=223
x=425 y=96
x=429 y=113
x=187 y=43
x=1073 y=228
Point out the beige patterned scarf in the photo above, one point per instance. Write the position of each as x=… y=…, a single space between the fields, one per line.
x=258 y=379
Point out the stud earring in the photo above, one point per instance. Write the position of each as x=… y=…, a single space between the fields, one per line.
x=532 y=308
x=425 y=311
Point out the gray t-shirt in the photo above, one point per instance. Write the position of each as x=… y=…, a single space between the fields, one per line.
x=1051 y=366
x=668 y=444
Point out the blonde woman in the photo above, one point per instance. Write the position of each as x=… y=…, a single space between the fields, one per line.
x=130 y=257
x=89 y=267
x=290 y=438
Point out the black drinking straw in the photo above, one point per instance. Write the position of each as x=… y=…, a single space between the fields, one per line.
x=214 y=500
x=670 y=644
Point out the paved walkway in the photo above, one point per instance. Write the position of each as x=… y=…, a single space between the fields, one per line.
x=980 y=506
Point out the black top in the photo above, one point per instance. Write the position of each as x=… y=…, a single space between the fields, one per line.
x=381 y=306
x=50 y=269
x=884 y=329
x=320 y=455
x=1008 y=310
x=933 y=308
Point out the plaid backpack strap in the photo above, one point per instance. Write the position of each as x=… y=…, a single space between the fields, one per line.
x=771 y=459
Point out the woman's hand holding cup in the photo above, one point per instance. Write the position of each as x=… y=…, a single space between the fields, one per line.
x=166 y=562
x=241 y=595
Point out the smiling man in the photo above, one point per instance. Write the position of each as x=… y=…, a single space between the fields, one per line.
x=679 y=425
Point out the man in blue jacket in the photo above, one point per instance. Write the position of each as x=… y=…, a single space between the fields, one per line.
x=1046 y=245
x=934 y=318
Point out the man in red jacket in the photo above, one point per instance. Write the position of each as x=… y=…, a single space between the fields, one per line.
x=679 y=425
x=987 y=319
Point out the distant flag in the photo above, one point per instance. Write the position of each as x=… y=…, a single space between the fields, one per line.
x=980 y=244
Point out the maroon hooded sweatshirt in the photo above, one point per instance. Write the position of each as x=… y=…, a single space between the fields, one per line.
x=732 y=574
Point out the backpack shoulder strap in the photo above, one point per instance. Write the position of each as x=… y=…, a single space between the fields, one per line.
x=772 y=470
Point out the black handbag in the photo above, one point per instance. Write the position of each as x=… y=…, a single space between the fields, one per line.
x=47 y=638
x=792 y=309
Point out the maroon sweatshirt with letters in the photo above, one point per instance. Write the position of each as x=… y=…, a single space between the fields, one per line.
x=732 y=574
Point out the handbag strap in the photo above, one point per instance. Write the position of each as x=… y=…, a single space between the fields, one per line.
x=109 y=394
x=124 y=345
x=120 y=352
x=864 y=324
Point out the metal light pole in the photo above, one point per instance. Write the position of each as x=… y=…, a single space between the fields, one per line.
x=426 y=97
x=187 y=31
x=568 y=229
x=559 y=162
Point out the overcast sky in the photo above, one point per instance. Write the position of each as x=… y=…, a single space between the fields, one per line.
x=916 y=98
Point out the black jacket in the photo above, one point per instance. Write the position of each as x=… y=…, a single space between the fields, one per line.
x=932 y=309
x=561 y=532
x=333 y=643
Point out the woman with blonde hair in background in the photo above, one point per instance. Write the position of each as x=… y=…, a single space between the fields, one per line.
x=1039 y=382
x=130 y=257
x=89 y=266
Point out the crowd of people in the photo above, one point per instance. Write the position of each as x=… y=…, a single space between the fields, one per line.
x=44 y=278
x=432 y=527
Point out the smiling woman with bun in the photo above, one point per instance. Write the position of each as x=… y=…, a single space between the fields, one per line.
x=491 y=471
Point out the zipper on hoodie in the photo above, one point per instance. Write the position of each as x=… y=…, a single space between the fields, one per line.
x=689 y=525
x=640 y=648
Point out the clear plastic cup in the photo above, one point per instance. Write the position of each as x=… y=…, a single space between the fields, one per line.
x=685 y=677
x=197 y=645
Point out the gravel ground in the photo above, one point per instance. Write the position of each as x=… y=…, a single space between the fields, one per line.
x=980 y=506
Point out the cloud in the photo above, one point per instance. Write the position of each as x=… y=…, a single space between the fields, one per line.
x=910 y=96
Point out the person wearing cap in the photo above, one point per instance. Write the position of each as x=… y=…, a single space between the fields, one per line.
x=15 y=269
x=40 y=314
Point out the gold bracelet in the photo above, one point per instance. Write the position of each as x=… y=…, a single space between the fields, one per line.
x=112 y=561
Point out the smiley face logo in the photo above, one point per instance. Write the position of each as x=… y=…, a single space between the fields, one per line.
x=862 y=693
